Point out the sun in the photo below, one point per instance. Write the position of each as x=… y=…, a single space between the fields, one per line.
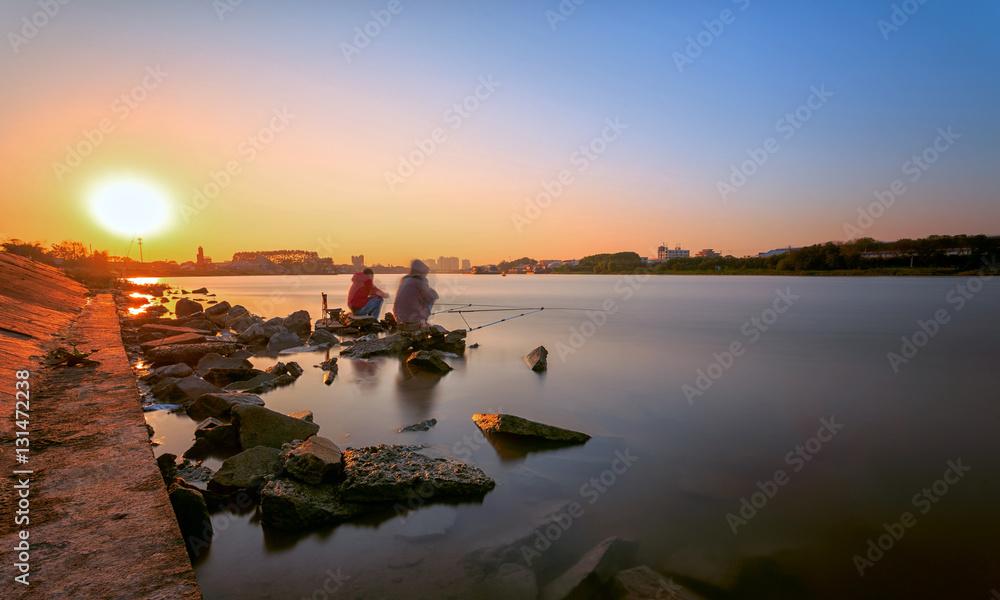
x=129 y=205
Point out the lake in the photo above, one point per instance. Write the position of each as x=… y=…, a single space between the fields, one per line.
x=753 y=434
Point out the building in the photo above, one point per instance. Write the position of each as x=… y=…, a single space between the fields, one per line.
x=663 y=253
x=431 y=264
x=708 y=253
x=777 y=252
x=447 y=263
x=202 y=261
x=358 y=261
x=466 y=264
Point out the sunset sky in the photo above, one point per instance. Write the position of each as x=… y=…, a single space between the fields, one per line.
x=319 y=124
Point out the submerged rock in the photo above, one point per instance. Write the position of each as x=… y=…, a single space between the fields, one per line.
x=642 y=582
x=421 y=426
x=387 y=473
x=314 y=460
x=588 y=576
x=200 y=290
x=259 y=426
x=390 y=344
x=512 y=425
x=428 y=360
x=537 y=359
x=292 y=505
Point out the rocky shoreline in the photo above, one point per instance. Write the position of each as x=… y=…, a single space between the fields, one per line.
x=280 y=466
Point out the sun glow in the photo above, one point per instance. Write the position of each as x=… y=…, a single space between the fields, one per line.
x=130 y=206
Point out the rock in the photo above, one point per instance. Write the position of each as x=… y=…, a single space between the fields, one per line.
x=329 y=365
x=592 y=571
x=187 y=307
x=421 y=426
x=428 y=360
x=330 y=376
x=216 y=361
x=156 y=331
x=294 y=369
x=259 y=426
x=182 y=391
x=221 y=308
x=390 y=320
x=428 y=523
x=247 y=469
x=192 y=516
x=350 y=320
x=512 y=580
x=168 y=465
x=322 y=337
x=260 y=333
x=200 y=290
x=189 y=471
x=189 y=354
x=387 y=473
x=197 y=321
x=259 y=384
x=300 y=350
x=184 y=338
x=292 y=505
x=282 y=340
x=640 y=583
x=314 y=460
x=219 y=404
x=390 y=344
x=511 y=425
x=242 y=353
x=537 y=359
x=224 y=377
x=219 y=435
x=305 y=415
x=177 y=371
x=299 y=322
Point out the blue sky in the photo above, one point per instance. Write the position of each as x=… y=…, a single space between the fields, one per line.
x=559 y=82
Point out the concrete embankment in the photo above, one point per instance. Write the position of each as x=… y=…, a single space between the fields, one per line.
x=101 y=525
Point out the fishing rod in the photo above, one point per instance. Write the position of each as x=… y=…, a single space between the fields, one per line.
x=501 y=320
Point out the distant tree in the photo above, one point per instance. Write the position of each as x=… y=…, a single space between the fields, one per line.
x=69 y=250
x=33 y=250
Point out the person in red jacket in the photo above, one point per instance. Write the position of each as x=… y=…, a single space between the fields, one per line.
x=364 y=298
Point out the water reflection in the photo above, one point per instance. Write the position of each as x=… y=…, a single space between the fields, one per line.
x=416 y=391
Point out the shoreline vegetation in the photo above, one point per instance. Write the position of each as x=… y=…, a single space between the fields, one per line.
x=934 y=256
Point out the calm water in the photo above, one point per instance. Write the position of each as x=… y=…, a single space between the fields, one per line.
x=621 y=378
